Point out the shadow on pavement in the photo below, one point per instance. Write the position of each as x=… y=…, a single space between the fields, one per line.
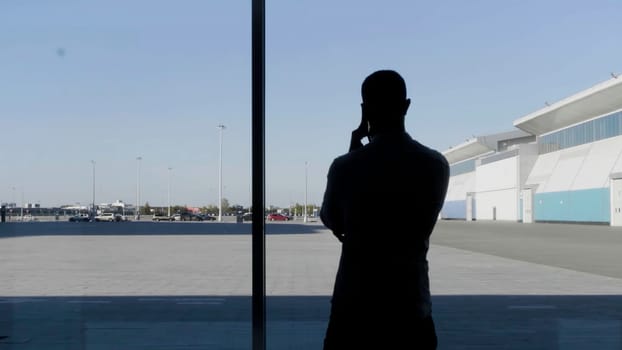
x=298 y=322
x=147 y=228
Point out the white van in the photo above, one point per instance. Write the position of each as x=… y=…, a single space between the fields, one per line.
x=110 y=217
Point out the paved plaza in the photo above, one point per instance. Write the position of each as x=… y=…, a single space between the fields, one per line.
x=188 y=285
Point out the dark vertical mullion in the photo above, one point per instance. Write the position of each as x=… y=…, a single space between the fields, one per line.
x=258 y=180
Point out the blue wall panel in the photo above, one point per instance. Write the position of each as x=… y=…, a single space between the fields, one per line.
x=590 y=205
x=454 y=210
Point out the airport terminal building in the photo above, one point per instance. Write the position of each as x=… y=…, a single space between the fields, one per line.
x=562 y=163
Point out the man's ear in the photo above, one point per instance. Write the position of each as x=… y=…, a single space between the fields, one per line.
x=406 y=105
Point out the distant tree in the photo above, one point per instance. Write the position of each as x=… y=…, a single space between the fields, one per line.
x=225 y=205
x=235 y=209
x=271 y=209
x=178 y=209
x=210 y=209
x=299 y=210
x=146 y=209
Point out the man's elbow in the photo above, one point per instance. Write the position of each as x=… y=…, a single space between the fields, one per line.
x=324 y=218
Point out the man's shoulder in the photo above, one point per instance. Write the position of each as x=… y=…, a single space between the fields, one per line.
x=342 y=160
x=436 y=155
x=430 y=153
x=346 y=163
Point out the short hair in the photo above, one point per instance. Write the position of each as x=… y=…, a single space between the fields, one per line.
x=383 y=87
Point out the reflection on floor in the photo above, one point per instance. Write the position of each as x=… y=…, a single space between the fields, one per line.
x=298 y=322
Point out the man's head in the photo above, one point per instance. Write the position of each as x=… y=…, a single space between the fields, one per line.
x=384 y=101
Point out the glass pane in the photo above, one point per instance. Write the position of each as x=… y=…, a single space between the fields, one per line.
x=455 y=58
x=118 y=104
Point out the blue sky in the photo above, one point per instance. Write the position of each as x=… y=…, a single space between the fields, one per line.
x=155 y=78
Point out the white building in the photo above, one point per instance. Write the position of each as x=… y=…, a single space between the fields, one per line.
x=577 y=176
x=118 y=207
x=486 y=176
x=567 y=166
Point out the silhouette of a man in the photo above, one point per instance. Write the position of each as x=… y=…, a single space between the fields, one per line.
x=382 y=201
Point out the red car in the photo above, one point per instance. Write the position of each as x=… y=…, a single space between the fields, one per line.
x=277 y=217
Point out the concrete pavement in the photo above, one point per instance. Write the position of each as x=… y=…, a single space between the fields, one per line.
x=187 y=286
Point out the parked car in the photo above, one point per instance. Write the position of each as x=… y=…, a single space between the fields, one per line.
x=159 y=217
x=247 y=217
x=190 y=217
x=28 y=218
x=108 y=217
x=277 y=217
x=79 y=218
x=207 y=217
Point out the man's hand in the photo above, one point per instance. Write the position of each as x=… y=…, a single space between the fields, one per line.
x=358 y=134
x=339 y=236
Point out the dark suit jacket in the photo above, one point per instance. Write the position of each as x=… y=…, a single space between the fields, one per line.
x=382 y=202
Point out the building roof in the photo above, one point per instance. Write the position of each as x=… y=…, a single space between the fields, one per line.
x=468 y=149
x=480 y=145
x=600 y=99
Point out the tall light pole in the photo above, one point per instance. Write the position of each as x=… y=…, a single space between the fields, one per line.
x=14 y=206
x=138 y=159
x=221 y=127
x=306 y=187
x=93 y=208
x=169 y=191
x=22 y=209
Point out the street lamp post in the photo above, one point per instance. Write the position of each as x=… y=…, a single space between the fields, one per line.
x=221 y=127
x=13 y=207
x=93 y=213
x=22 y=209
x=138 y=159
x=306 y=186
x=169 y=191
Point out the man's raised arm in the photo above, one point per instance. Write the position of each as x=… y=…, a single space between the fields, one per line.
x=331 y=213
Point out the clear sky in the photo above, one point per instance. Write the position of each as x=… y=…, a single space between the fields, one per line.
x=113 y=80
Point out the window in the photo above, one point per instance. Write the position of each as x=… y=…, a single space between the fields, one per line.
x=593 y=130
